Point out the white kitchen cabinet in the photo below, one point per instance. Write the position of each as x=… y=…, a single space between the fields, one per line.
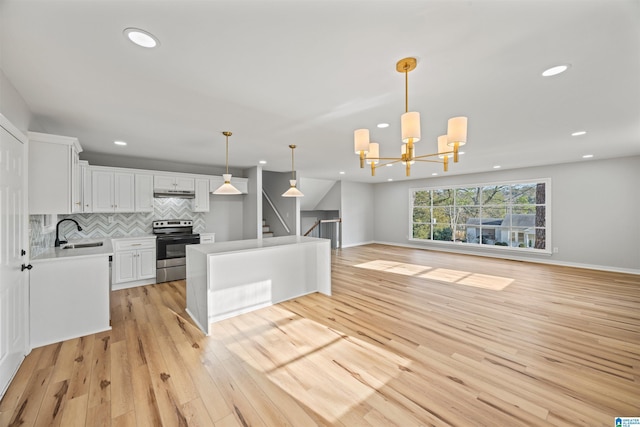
x=68 y=298
x=54 y=174
x=144 y=193
x=134 y=262
x=240 y=183
x=112 y=191
x=173 y=183
x=201 y=201
x=85 y=172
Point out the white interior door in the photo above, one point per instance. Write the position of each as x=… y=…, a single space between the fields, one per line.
x=13 y=281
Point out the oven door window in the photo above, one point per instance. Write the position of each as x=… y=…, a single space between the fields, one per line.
x=169 y=248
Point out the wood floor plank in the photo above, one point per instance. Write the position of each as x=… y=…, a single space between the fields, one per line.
x=100 y=380
x=75 y=412
x=121 y=387
x=408 y=337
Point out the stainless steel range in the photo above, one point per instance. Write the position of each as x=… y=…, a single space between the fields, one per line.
x=173 y=235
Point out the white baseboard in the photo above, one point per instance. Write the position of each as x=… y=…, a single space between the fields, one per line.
x=350 y=245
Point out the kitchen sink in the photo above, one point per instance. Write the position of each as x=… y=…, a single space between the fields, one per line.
x=82 y=245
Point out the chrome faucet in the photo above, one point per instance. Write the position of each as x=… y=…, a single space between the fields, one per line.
x=58 y=241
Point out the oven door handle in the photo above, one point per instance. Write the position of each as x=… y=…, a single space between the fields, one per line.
x=174 y=238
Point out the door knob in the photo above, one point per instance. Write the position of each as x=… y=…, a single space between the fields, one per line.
x=26 y=267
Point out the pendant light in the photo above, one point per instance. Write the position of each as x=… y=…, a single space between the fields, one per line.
x=292 y=191
x=227 y=189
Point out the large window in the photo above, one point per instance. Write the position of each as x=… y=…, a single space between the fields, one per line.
x=512 y=215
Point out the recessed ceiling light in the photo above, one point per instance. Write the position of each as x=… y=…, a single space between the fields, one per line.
x=389 y=164
x=496 y=167
x=263 y=162
x=436 y=173
x=141 y=37
x=461 y=152
x=582 y=132
x=341 y=172
x=390 y=179
x=119 y=142
x=553 y=71
x=587 y=156
x=383 y=125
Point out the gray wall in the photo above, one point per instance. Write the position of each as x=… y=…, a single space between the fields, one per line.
x=357 y=211
x=274 y=184
x=225 y=217
x=332 y=200
x=102 y=159
x=594 y=212
x=13 y=107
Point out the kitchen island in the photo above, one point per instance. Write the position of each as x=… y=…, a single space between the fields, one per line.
x=230 y=278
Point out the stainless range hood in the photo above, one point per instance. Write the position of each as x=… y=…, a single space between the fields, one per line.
x=164 y=194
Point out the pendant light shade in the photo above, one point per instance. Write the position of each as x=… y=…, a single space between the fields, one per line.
x=410 y=126
x=443 y=146
x=227 y=189
x=457 y=131
x=292 y=191
x=374 y=153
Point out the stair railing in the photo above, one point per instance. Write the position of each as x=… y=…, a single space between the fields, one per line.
x=266 y=196
x=336 y=234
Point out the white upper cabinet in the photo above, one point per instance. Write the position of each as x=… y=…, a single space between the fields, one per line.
x=54 y=174
x=85 y=171
x=112 y=191
x=173 y=183
x=201 y=201
x=144 y=193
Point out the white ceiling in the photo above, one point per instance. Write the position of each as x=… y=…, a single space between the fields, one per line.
x=310 y=72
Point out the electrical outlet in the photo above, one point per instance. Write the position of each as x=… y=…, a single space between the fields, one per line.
x=555 y=250
x=110 y=220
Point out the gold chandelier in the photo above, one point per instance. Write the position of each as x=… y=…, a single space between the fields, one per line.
x=410 y=127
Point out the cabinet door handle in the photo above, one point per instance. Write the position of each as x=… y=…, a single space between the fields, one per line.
x=78 y=203
x=26 y=267
x=136 y=244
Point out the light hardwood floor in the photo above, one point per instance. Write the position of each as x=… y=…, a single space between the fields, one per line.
x=409 y=337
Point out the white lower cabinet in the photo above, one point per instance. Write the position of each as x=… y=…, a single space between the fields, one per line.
x=207 y=237
x=134 y=262
x=68 y=298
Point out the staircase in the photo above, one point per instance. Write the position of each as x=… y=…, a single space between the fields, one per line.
x=266 y=231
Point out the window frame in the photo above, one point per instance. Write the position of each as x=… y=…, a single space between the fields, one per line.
x=507 y=205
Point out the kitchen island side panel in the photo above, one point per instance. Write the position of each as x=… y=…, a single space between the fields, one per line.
x=197 y=290
x=247 y=275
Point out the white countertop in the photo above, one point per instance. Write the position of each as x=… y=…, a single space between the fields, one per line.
x=251 y=244
x=53 y=254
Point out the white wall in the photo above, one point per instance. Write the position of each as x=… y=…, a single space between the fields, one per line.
x=357 y=212
x=595 y=207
